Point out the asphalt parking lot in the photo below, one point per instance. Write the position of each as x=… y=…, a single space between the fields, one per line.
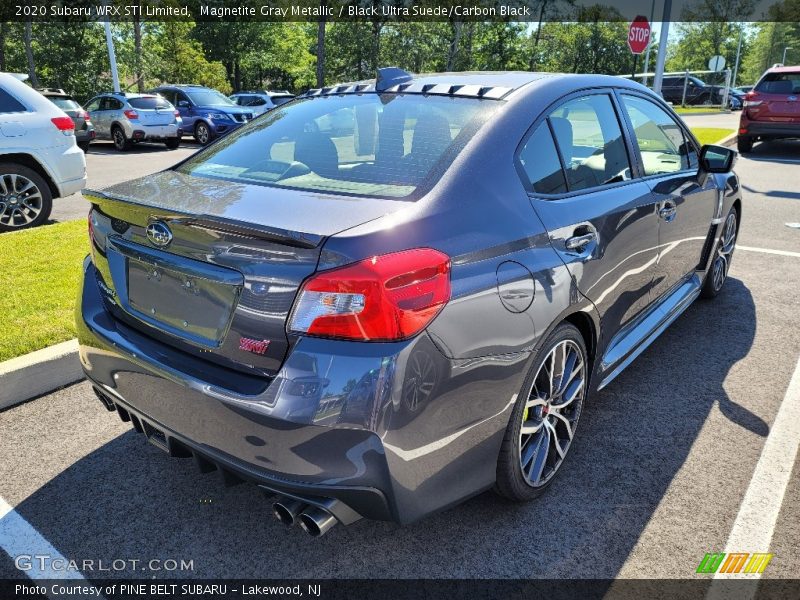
x=666 y=459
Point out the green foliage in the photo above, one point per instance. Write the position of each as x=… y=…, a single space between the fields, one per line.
x=767 y=45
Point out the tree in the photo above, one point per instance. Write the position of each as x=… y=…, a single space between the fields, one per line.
x=29 y=53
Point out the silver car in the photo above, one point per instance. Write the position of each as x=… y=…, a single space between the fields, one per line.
x=261 y=101
x=127 y=119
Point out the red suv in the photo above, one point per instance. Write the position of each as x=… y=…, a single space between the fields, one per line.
x=771 y=108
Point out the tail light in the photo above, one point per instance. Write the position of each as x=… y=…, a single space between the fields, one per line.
x=386 y=297
x=131 y=114
x=750 y=100
x=86 y=116
x=177 y=113
x=64 y=125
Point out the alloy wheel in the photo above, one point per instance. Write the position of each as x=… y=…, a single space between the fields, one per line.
x=551 y=413
x=727 y=244
x=202 y=134
x=119 y=139
x=20 y=200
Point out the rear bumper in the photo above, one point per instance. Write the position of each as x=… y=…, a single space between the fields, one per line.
x=353 y=439
x=155 y=132
x=770 y=129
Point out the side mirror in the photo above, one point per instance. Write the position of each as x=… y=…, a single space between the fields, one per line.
x=183 y=104
x=716 y=159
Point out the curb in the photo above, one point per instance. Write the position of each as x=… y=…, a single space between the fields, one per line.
x=728 y=141
x=37 y=373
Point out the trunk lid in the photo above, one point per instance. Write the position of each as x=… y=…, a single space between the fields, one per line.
x=231 y=260
x=156 y=116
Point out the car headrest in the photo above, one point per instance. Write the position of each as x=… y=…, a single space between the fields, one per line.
x=318 y=152
x=431 y=135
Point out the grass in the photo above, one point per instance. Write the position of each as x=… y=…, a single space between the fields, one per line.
x=39 y=273
x=711 y=135
x=693 y=110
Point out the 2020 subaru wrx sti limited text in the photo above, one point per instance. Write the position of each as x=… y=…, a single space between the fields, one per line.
x=384 y=321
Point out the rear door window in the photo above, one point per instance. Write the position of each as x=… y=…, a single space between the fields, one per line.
x=663 y=145
x=590 y=141
x=540 y=163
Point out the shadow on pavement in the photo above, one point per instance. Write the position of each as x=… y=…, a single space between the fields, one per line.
x=130 y=500
x=106 y=148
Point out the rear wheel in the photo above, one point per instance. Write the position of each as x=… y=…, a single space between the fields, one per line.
x=84 y=146
x=121 y=142
x=202 y=133
x=173 y=143
x=25 y=197
x=545 y=417
x=744 y=144
x=721 y=260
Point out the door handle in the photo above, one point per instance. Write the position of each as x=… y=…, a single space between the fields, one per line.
x=579 y=241
x=668 y=211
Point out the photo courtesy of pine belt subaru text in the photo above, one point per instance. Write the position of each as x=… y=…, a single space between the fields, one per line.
x=382 y=298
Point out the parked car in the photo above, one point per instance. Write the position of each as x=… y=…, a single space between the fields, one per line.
x=735 y=99
x=697 y=90
x=772 y=108
x=84 y=130
x=261 y=101
x=744 y=88
x=127 y=119
x=206 y=113
x=446 y=286
x=39 y=158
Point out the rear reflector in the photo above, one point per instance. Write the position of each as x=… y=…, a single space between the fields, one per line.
x=388 y=297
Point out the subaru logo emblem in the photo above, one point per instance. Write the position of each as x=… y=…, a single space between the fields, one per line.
x=159 y=234
x=792 y=98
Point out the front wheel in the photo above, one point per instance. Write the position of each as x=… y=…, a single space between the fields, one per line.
x=25 y=197
x=723 y=255
x=545 y=417
x=202 y=134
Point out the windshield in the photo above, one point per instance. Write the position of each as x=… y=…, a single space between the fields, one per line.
x=65 y=103
x=209 y=98
x=149 y=103
x=369 y=145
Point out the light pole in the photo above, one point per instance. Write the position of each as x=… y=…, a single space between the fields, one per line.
x=662 y=46
x=783 y=62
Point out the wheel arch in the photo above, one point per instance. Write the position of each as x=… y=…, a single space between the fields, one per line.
x=585 y=325
x=30 y=162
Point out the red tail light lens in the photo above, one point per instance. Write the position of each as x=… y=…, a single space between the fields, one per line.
x=751 y=99
x=177 y=113
x=387 y=297
x=131 y=114
x=87 y=116
x=64 y=124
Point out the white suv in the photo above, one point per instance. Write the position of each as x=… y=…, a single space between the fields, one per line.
x=39 y=158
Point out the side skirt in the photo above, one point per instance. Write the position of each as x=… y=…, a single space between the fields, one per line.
x=633 y=340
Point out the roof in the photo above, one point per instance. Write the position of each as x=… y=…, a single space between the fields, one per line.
x=480 y=84
x=785 y=69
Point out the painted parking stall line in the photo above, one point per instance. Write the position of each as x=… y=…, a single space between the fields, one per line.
x=18 y=538
x=769 y=251
x=759 y=511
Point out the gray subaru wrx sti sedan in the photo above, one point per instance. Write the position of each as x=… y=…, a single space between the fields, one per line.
x=384 y=319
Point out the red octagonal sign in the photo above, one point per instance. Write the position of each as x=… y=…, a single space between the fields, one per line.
x=638 y=34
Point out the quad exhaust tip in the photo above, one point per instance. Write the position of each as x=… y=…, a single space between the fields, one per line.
x=316 y=522
x=287 y=511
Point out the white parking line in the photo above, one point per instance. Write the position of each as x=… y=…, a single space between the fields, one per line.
x=755 y=524
x=769 y=251
x=18 y=538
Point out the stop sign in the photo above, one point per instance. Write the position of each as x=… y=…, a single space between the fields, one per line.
x=639 y=34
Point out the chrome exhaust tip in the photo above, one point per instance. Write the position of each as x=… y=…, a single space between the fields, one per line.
x=316 y=522
x=287 y=511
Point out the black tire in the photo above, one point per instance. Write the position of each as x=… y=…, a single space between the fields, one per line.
x=744 y=144
x=31 y=207
x=722 y=257
x=173 y=143
x=84 y=146
x=202 y=133
x=121 y=142
x=511 y=483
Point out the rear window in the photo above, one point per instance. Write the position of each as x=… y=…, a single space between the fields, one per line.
x=780 y=83
x=149 y=103
x=368 y=145
x=64 y=103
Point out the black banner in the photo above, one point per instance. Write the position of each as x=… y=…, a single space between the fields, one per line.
x=386 y=11
x=399 y=589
